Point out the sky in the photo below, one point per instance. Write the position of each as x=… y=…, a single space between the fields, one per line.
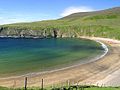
x=14 y=11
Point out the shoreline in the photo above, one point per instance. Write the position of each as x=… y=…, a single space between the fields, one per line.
x=89 y=73
x=67 y=67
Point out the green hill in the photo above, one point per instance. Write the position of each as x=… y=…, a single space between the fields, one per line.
x=104 y=23
x=111 y=11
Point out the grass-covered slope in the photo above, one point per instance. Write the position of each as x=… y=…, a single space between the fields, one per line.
x=104 y=23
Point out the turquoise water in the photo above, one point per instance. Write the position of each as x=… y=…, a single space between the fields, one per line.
x=22 y=56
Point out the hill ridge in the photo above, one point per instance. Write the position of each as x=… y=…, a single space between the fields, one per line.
x=103 y=23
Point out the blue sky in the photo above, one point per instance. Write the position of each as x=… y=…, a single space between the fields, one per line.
x=12 y=11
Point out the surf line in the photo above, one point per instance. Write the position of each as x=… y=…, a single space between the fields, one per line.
x=51 y=71
x=104 y=47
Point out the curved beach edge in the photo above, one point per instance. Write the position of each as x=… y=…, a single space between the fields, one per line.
x=112 y=77
x=33 y=74
x=94 y=73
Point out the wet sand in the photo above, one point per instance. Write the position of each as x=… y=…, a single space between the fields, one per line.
x=98 y=72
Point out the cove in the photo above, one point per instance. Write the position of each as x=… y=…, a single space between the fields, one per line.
x=20 y=56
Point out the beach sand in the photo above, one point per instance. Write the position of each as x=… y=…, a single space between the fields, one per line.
x=104 y=71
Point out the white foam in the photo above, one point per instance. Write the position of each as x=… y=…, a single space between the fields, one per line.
x=104 y=47
x=38 y=73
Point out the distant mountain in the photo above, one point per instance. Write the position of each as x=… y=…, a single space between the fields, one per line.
x=104 y=23
x=111 y=11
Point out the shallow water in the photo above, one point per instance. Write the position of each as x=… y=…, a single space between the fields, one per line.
x=22 y=56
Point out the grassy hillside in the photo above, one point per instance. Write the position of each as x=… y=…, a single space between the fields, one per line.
x=104 y=23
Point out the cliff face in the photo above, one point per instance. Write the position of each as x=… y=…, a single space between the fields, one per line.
x=105 y=23
x=43 y=33
x=7 y=32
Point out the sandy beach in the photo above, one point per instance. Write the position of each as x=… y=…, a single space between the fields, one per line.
x=105 y=71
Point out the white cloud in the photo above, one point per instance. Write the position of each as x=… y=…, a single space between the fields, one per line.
x=7 y=17
x=11 y=20
x=71 y=10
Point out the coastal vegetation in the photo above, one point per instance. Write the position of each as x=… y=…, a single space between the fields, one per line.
x=104 y=23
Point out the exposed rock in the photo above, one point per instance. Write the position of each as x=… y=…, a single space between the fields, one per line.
x=20 y=33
